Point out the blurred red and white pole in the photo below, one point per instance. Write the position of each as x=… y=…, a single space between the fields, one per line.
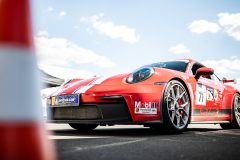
x=22 y=131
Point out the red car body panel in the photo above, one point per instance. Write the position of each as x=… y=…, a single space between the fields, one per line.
x=217 y=108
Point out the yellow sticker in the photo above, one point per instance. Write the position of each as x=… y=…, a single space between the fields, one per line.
x=53 y=100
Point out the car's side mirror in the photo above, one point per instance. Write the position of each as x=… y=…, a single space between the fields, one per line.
x=205 y=72
x=224 y=80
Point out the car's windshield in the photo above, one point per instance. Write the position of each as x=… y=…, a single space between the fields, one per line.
x=174 y=65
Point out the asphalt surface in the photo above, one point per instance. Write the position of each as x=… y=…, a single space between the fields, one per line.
x=136 y=142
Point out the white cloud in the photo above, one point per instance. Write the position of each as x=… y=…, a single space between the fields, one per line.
x=50 y=8
x=224 y=66
x=108 y=28
x=234 y=57
x=104 y=62
x=228 y=19
x=231 y=22
x=42 y=33
x=76 y=27
x=202 y=26
x=62 y=13
x=65 y=73
x=179 y=49
x=61 y=52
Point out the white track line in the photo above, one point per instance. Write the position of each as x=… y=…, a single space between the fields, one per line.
x=71 y=137
x=106 y=145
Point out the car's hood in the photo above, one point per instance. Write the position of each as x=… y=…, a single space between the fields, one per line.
x=115 y=83
x=81 y=86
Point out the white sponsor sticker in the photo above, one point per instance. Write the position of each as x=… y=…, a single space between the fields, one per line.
x=200 y=95
x=146 y=110
x=150 y=108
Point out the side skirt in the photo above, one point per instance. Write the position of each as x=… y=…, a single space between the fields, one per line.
x=209 y=122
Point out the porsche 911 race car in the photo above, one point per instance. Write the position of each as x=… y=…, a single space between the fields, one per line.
x=166 y=95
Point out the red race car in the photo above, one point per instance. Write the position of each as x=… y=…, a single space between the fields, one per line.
x=166 y=95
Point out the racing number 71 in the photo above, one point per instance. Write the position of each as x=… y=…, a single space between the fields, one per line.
x=201 y=96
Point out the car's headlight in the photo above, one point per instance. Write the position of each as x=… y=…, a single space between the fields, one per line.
x=140 y=75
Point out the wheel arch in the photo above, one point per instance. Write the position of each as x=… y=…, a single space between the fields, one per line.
x=184 y=84
x=232 y=112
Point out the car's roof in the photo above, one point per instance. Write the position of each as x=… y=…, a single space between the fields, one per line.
x=190 y=60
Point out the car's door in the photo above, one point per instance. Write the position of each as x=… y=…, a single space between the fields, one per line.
x=225 y=99
x=214 y=98
x=208 y=96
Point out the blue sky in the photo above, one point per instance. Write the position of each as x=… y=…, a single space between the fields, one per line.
x=106 y=37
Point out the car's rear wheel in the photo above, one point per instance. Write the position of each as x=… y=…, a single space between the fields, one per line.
x=83 y=127
x=235 y=124
x=176 y=108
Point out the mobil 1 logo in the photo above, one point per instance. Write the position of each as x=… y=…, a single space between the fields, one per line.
x=145 y=108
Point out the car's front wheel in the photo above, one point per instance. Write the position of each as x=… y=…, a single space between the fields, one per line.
x=176 y=108
x=235 y=124
x=83 y=127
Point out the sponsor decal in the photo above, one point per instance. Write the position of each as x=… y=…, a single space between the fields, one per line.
x=200 y=95
x=137 y=110
x=64 y=100
x=209 y=94
x=137 y=104
x=154 y=105
x=53 y=100
x=148 y=107
x=67 y=100
x=209 y=110
x=215 y=94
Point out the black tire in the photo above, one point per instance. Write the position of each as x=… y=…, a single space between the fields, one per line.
x=235 y=124
x=176 y=115
x=83 y=127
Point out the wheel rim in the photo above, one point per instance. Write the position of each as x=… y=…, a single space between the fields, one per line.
x=237 y=109
x=178 y=106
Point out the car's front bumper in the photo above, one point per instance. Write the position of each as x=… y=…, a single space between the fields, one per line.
x=94 y=113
